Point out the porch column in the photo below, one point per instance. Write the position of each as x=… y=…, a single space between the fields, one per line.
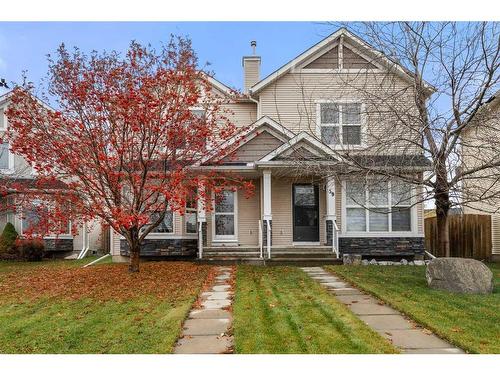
x=202 y=220
x=330 y=209
x=267 y=217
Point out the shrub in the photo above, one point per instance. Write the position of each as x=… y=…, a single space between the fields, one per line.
x=31 y=250
x=7 y=242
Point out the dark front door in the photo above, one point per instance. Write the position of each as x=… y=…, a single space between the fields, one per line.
x=305 y=213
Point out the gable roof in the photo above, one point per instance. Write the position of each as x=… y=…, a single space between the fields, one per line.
x=302 y=137
x=323 y=44
x=245 y=135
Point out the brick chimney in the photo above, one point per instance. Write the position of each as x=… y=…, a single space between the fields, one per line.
x=251 y=68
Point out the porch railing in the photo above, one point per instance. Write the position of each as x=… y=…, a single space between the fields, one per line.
x=261 y=246
x=200 y=240
x=268 y=239
x=335 y=239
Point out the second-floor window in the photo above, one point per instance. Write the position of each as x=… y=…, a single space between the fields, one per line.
x=340 y=123
x=4 y=155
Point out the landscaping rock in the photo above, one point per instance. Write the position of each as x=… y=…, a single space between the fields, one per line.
x=404 y=262
x=373 y=262
x=365 y=262
x=419 y=263
x=410 y=263
x=351 y=259
x=459 y=275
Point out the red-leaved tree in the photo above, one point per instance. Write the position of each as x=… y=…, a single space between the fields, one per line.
x=124 y=137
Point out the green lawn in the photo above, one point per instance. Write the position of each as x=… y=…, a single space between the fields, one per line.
x=58 y=307
x=282 y=310
x=468 y=321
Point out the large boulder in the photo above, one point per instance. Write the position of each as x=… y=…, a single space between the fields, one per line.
x=459 y=275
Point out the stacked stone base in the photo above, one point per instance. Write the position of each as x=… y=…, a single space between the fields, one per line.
x=178 y=247
x=383 y=247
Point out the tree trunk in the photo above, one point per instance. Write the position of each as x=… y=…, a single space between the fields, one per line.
x=442 y=210
x=135 y=250
x=134 y=259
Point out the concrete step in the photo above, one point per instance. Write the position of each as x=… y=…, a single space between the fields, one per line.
x=270 y=262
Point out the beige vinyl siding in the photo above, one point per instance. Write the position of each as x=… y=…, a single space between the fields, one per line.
x=251 y=70
x=329 y=60
x=255 y=149
x=248 y=217
x=241 y=114
x=293 y=99
x=351 y=60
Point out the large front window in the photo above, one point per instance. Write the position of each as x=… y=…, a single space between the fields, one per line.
x=340 y=123
x=378 y=206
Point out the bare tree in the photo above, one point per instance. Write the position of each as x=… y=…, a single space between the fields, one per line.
x=455 y=70
x=422 y=86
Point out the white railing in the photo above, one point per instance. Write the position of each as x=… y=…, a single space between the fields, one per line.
x=335 y=239
x=430 y=255
x=85 y=243
x=261 y=246
x=268 y=239
x=200 y=239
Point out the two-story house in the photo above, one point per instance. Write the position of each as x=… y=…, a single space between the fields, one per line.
x=298 y=124
x=13 y=168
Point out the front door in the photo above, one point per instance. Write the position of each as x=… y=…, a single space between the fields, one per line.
x=305 y=213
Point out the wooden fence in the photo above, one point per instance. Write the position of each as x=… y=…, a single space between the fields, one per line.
x=470 y=236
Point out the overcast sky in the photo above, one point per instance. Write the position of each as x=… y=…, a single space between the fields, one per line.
x=24 y=46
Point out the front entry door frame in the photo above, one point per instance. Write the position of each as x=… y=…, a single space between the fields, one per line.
x=304 y=235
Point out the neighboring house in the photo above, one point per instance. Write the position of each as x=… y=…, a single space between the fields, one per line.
x=484 y=129
x=14 y=167
x=301 y=116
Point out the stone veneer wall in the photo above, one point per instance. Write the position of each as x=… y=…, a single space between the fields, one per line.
x=181 y=247
x=382 y=246
x=58 y=244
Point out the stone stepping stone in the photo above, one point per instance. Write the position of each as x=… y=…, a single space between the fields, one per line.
x=372 y=309
x=209 y=314
x=222 y=277
x=386 y=322
x=216 y=304
x=346 y=291
x=336 y=285
x=414 y=339
x=434 y=351
x=356 y=298
x=203 y=345
x=221 y=288
x=205 y=327
x=216 y=295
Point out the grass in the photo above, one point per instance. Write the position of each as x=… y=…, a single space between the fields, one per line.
x=468 y=321
x=282 y=310
x=58 y=307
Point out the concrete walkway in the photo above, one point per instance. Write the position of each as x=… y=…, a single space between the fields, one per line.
x=402 y=332
x=206 y=329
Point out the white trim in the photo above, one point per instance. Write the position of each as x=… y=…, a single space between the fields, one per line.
x=10 y=161
x=267 y=203
x=320 y=45
x=226 y=238
x=263 y=121
x=389 y=233
x=305 y=243
x=5 y=127
x=340 y=125
x=302 y=136
x=330 y=199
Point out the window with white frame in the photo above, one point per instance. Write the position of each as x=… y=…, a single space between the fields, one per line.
x=378 y=207
x=166 y=225
x=4 y=155
x=3 y=119
x=340 y=123
x=224 y=214
x=190 y=216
